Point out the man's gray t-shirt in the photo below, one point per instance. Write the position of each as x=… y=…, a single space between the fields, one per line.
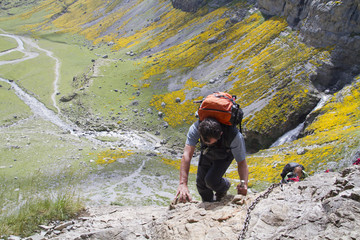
x=237 y=146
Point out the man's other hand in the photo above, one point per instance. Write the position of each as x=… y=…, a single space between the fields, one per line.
x=241 y=189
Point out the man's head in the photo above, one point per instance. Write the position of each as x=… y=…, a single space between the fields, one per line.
x=210 y=131
x=298 y=171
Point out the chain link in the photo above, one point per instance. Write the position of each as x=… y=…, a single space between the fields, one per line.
x=252 y=206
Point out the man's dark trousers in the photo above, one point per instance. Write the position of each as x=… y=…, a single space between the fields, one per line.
x=210 y=177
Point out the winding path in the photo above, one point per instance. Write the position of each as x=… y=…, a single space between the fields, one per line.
x=30 y=55
x=132 y=139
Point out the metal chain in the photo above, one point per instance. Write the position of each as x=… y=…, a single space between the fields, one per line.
x=252 y=206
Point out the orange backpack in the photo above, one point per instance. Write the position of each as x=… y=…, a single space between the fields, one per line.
x=222 y=107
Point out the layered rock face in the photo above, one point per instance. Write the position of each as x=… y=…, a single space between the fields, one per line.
x=323 y=23
x=188 y=5
x=194 y=5
x=323 y=206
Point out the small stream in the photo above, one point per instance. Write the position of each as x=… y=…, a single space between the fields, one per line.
x=294 y=133
x=38 y=108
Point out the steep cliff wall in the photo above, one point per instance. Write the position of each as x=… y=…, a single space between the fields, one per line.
x=194 y=5
x=188 y=5
x=323 y=23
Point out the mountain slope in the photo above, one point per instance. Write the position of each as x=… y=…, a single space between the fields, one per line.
x=143 y=55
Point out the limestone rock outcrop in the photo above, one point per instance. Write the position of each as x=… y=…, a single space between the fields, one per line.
x=188 y=5
x=323 y=206
x=194 y=5
x=323 y=23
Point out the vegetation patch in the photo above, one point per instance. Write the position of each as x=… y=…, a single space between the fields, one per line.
x=41 y=211
x=12 y=56
x=110 y=156
x=12 y=109
x=7 y=43
x=177 y=110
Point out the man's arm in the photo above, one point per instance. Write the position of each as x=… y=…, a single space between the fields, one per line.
x=183 y=191
x=243 y=175
x=239 y=151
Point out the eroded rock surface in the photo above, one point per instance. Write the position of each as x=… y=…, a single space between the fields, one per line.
x=324 y=206
x=188 y=5
x=324 y=23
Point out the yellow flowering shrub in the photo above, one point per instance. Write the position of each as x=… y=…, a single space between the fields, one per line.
x=274 y=113
x=177 y=163
x=110 y=156
x=177 y=113
x=341 y=111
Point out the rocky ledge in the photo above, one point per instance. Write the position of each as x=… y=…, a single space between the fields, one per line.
x=324 y=206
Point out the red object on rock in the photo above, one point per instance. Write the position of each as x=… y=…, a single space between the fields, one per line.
x=295 y=179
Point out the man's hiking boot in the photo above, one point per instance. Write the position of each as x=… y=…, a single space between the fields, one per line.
x=221 y=195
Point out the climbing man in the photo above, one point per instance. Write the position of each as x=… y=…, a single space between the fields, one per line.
x=220 y=144
x=293 y=172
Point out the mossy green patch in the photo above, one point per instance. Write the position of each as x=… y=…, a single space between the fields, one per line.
x=12 y=56
x=74 y=60
x=12 y=109
x=37 y=80
x=7 y=43
x=111 y=88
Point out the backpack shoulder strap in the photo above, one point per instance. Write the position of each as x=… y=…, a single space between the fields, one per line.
x=230 y=133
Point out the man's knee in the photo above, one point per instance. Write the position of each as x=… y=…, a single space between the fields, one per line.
x=212 y=183
x=205 y=183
